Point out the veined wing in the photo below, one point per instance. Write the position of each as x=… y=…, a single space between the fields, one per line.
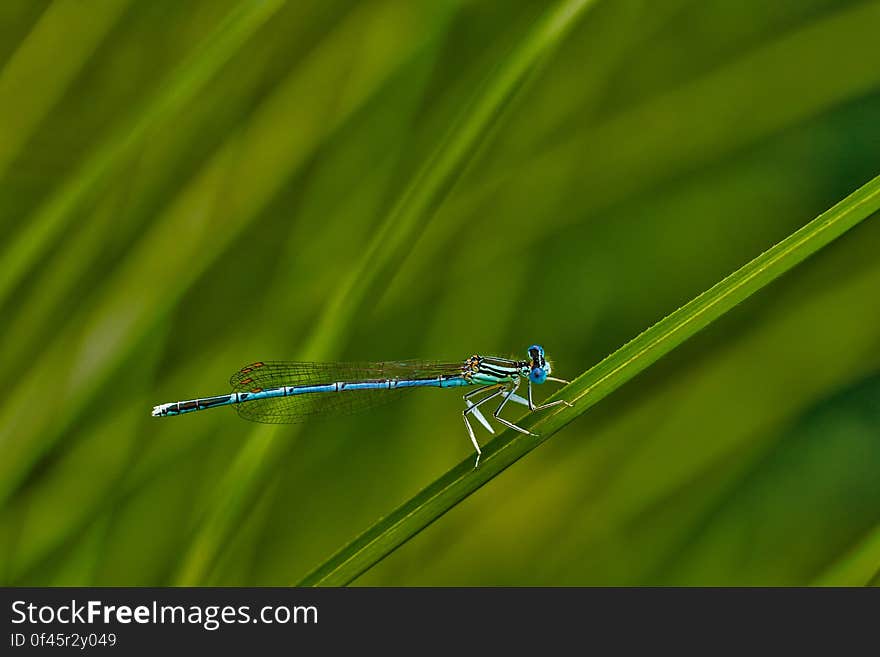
x=300 y=407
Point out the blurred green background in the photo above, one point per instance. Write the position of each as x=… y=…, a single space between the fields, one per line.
x=189 y=187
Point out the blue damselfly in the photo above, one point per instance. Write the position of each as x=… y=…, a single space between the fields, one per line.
x=289 y=392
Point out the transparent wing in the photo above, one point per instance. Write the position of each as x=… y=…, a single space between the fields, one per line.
x=298 y=408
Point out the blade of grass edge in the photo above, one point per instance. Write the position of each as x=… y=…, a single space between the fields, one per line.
x=391 y=531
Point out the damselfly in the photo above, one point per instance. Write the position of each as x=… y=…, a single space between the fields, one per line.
x=288 y=392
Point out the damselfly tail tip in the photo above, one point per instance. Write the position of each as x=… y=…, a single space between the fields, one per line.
x=158 y=410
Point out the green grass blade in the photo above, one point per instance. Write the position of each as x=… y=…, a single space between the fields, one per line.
x=20 y=255
x=25 y=435
x=395 y=236
x=591 y=387
x=827 y=461
x=63 y=27
x=383 y=255
x=858 y=567
x=618 y=168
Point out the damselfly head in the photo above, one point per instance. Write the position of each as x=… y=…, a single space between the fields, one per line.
x=539 y=368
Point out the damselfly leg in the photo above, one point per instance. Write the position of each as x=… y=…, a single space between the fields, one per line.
x=534 y=408
x=509 y=395
x=497 y=413
x=476 y=413
x=472 y=409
